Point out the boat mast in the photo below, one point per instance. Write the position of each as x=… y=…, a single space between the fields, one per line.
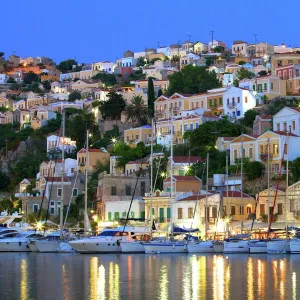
x=242 y=154
x=268 y=180
x=86 y=183
x=206 y=210
x=61 y=221
x=171 y=177
x=287 y=185
x=151 y=176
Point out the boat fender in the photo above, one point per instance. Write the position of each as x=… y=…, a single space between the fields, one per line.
x=119 y=243
x=184 y=247
x=173 y=246
x=20 y=243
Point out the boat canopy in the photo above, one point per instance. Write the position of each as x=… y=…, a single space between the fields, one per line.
x=185 y=230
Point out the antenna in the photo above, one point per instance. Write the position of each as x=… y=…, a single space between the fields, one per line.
x=255 y=38
x=158 y=44
x=212 y=39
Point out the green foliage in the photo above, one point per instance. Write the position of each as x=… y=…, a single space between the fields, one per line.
x=159 y=93
x=151 y=95
x=4 y=181
x=219 y=49
x=74 y=96
x=33 y=218
x=249 y=117
x=193 y=80
x=295 y=169
x=11 y=80
x=6 y=204
x=46 y=85
x=15 y=86
x=244 y=73
x=137 y=110
x=1 y=54
x=66 y=66
x=31 y=187
x=279 y=103
x=137 y=75
x=159 y=169
x=141 y=61
x=206 y=134
x=251 y=169
x=30 y=77
x=262 y=73
x=106 y=78
x=241 y=62
x=113 y=107
x=3 y=109
x=210 y=60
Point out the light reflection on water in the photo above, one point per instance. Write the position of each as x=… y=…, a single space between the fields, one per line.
x=100 y=277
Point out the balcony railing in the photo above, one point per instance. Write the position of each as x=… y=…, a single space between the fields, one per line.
x=264 y=156
x=232 y=104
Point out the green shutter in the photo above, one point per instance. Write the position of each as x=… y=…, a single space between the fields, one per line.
x=265 y=86
x=117 y=216
x=210 y=102
x=132 y=214
x=220 y=101
x=271 y=85
x=109 y=216
x=124 y=214
x=142 y=215
x=153 y=211
x=161 y=214
x=253 y=87
x=169 y=213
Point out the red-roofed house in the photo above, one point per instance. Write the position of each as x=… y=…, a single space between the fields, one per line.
x=95 y=156
x=261 y=124
x=287 y=119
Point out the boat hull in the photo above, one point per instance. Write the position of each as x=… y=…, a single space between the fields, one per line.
x=14 y=247
x=86 y=246
x=201 y=247
x=32 y=246
x=236 y=247
x=258 y=247
x=165 y=247
x=132 y=247
x=295 y=246
x=278 y=247
x=47 y=246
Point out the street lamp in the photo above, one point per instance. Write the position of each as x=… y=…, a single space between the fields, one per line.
x=114 y=140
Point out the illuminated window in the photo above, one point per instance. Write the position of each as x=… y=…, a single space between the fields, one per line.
x=190 y=212
x=179 y=212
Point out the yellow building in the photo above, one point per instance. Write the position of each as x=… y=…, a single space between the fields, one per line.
x=135 y=166
x=237 y=205
x=283 y=59
x=95 y=156
x=140 y=134
x=215 y=101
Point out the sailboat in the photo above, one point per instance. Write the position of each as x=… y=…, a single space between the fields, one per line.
x=167 y=245
x=237 y=244
x=55 y=242
x=281 y=245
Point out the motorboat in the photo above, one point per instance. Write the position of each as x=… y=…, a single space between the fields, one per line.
x=18 y=243
x=236 y=245
x=201 y=247
x=219 y=246
x=132 y=247
x=165 y=246
x=278 y=246
x=257 y=246
x=109 y=240
x=295 y=246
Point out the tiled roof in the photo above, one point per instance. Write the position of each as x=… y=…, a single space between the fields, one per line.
x=183 y=178
x=83 y=150
x=285 y=133
x=236 y=194
x=265 y=117
x=56 y=179
x=187 y=159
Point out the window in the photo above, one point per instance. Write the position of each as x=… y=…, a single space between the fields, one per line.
x=227 y=101
x=262 y=209
x=241 y=210
x=272 y=86
x=278 y=126
x=294 y=125
x=215 y=102
x=197 y=125
x=179 y=212
x=58 y=192
x=220 y=101
x=235 y=154
x=275 y=149
x=214 y=212
x=232 y=212
x=128 y=190
x=284 y=126
x=238 y=99
x=52 y=210
x=35 y=208
x=191 y=126
x=292 y=205
x=248 y=210
x=265 y=86
x=279 y=208
x=109 y=216
x=75 y=192
x=117 y=216
x=253 y=88
x=285 y=148
x=143 y=188
x=261 y=149
x=259 y=87
x=238 y=113
x=190 y=213
x=250 y=153
x=246 y=99
x=210 y=102
x=113 y=190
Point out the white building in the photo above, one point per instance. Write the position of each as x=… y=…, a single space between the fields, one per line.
x=129 y=62
x=60 y=87
x=287 y=120
x=228 y=79
x=104 y=66
x=239 y=48
x=3 y=78
x=55 y=142
x=165 y=50
x=237 y=101
x=101 y=94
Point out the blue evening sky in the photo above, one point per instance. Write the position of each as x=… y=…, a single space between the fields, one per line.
x=94 y=30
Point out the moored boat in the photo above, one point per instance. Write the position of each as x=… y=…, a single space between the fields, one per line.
x=278 y=246
x=295 y=246
x=201 y=247
x=258 y=246
x=236 y=245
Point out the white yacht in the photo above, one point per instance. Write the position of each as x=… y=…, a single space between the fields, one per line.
x=109 y=240
x=236 y=245
x=19 y=243
x=165 y=246
x=295 y=246
x=278 y=246
x=258 y=246
x=132 y=247
x=201 y=247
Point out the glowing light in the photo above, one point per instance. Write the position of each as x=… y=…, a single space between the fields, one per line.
x=226 y=220
x=186 y=168
x=159 y=133
x=293 y=232
x=163 y=174
x=90 y=135
x=92 y=211
x=114 y=140
x=95 y=218
x=39 y=225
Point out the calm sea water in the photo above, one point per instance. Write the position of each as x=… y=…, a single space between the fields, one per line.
x=75 y=276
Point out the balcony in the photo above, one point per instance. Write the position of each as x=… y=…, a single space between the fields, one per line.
x=232 y=105
x=159 y=112
x=264 y=157
x=178 y=133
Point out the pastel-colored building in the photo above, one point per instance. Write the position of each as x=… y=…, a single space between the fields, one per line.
x=94 y=156
x=140 y=134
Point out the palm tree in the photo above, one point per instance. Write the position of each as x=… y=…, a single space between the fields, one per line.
x=137 y=110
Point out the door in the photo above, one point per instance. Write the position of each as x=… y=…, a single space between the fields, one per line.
x=161 y=214
x=168 y=213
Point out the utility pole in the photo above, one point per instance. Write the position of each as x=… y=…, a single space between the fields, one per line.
x=255 y=38
x=212 y=39
x=158 y=44
x=189 y=42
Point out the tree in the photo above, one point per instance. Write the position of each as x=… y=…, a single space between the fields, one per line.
x=151 y=95
x=219 y=49
x=193 y=80
x=137 y=110
x=107 y=79
x=262 y=73
x=4 y=181
x=159 y=93
x=7 y=205
x=241 y=62
x=249 y=117
x=244 y=73
x=46 y=85
x=253 y=169
x=11 y=80
x=66 y=66
x=141 y=61
x=74 y=96
x=113 y=107
x=210 y=60
x=1 y=54
x=30 y=77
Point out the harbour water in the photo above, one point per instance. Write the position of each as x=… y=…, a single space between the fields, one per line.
x=77 y=277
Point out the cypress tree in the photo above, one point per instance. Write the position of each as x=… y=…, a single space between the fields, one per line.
x=151 y=96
